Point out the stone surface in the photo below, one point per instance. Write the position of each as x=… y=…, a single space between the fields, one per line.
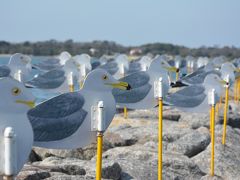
x=192 y=143
x=227 y=158
x=131 y=150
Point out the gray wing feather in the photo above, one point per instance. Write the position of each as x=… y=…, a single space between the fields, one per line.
x=199 y=78
x=184 y=101
x=193 y=90
x=58 y=117
x=4 y=71
x=49 y=80
x=110 y=67
x=140 y=87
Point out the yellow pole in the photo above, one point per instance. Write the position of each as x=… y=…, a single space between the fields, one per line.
x=99 y=156
x=8 y=178
x=210 y=115
x=217 y=110
x=225 y=116
x=212 y=137
x=238 y=90
x=160 y=110
x=235 y=92
x=71 y=88
x=80 y=84
x=125 y=113
x=177 y=75
x=220 y=102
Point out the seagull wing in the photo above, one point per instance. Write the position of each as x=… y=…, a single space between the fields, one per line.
x=140 y=87
x=57 y=118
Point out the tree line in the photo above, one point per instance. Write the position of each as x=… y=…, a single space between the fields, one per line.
x=53 y=47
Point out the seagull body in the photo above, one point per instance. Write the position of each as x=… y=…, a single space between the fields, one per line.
x=194 y=98
x=198 y=76
x=16 y=101
x=53 y=63
x=4 y=71
x=64 y=122
x=48 y=65
x=141 y=95
x=56 y=80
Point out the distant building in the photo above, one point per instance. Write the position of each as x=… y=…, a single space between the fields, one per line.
x=135 y=52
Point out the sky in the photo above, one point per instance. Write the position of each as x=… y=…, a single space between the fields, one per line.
x=192 y=23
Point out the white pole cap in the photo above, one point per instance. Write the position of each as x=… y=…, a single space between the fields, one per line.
x=83 y=70
x=121 y=69
x=10 y=152
x=101 y=117
x=70 y=78
x=158 y=89
x=211 y=97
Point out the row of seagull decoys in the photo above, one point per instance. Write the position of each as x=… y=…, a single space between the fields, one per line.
x=64 y=121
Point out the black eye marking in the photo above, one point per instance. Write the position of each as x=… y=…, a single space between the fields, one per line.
x=16 y=91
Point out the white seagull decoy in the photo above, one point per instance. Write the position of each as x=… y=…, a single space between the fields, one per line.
x=16 y=100
x=194 y=98
x=53 y=62
x=20 y=67
x=141 y=95
x=64 y=122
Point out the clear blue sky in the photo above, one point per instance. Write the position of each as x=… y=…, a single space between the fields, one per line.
x=129 y=22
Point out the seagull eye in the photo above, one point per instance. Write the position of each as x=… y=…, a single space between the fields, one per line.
x=16 y=91
x=104 y=77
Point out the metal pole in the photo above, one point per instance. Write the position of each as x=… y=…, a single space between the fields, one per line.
x=225 y=114
x=158 y=92
x=212 y=138
x=100 y=129
x=212 y=103
x=160 y=122
x=99 y=156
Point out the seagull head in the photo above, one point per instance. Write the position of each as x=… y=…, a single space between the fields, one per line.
x=213 y=81
x=14 y=96
x=19 y=59
x=228 y=71
x=64 y=57
x=159 y=64
x=101 y=80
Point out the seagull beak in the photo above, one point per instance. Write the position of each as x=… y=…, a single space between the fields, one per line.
x=223 y=82
x=30 y=104
x=172 y=69
x=237 y=69
x=120 y=85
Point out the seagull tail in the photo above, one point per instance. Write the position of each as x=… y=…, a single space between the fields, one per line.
x=178 y=84
x=28 y=85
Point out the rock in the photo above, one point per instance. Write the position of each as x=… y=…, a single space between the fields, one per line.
x=172 y=117
x=34 y=157
x=33 y=173
x=191 y=144
x=208 y=177
x=67 y=177
x=115 y=140
x=152 y=114
x=232 y=120
x=85 y=153
x=112 y=172
x=177 y=166
x=140 y=162
x=227 y=158
x=195 y=120
x=70 y=170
